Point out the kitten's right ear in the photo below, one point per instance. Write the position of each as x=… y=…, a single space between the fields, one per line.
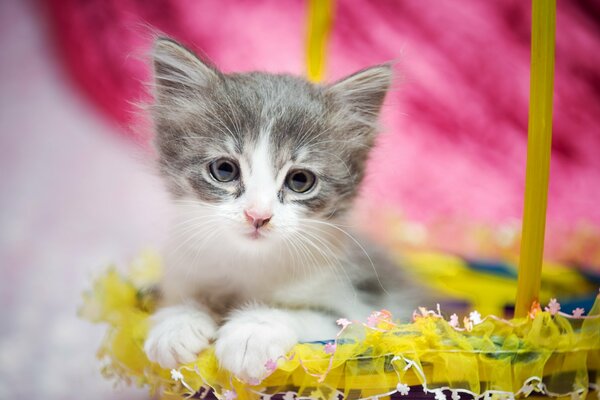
x=177 y=68
x=364 y=91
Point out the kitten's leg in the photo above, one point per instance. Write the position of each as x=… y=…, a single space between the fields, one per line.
x=178 y=334
x=254 y=335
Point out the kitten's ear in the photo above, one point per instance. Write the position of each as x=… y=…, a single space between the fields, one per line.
x=364 y=91
x=177 y=68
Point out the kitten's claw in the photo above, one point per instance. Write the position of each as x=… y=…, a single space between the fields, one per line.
x=178 y=334
x=244 y=346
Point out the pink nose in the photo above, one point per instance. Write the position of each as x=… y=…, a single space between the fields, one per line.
x=257 y=219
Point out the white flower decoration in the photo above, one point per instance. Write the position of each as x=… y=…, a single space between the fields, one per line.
x=455 y=395
x=176 y=375
x=343 y=322
x=475 y=317
x=454 y=321
x=578 y=313
x=553 y=307
x=439 y=395
x=403 y=389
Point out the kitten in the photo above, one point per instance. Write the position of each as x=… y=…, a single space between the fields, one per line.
x=263 y=169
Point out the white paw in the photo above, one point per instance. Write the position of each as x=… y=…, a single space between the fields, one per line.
x=178 y=334
x=247 y=342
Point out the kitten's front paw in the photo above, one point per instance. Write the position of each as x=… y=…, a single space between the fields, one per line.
x=178 y=334
x=244 y=345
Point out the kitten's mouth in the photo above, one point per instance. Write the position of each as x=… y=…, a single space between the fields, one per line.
x=255 y=234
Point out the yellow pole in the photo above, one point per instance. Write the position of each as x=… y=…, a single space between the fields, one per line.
x=319 y=25
x=539 y=142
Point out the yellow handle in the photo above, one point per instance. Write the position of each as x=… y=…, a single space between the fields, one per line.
x=319 y=25
x=539 y=142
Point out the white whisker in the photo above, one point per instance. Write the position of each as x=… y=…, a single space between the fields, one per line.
x=357 y=243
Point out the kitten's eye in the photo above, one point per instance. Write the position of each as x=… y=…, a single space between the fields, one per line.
x=300 y=180
x=224 y=170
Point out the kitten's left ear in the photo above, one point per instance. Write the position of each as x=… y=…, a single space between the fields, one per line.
x=364 y=91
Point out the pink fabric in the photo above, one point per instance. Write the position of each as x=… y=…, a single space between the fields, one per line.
x=455 y=141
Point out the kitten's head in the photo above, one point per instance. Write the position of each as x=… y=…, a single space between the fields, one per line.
x=259 y=156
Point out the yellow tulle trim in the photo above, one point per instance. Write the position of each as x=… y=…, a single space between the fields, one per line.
x=548 y=352
x=487 y=292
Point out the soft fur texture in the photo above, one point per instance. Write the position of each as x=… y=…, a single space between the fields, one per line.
x=257 y=289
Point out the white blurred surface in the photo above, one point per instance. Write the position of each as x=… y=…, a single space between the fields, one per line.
x=73 y=197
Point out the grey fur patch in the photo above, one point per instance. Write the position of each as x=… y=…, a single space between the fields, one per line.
x=199 y=112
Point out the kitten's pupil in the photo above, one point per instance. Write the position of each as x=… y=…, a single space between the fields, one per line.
x=300 y=181
x=224 y=170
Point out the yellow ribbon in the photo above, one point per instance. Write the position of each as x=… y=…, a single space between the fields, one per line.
x=319 y=25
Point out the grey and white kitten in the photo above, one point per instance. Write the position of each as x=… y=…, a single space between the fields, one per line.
x=263 y=169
